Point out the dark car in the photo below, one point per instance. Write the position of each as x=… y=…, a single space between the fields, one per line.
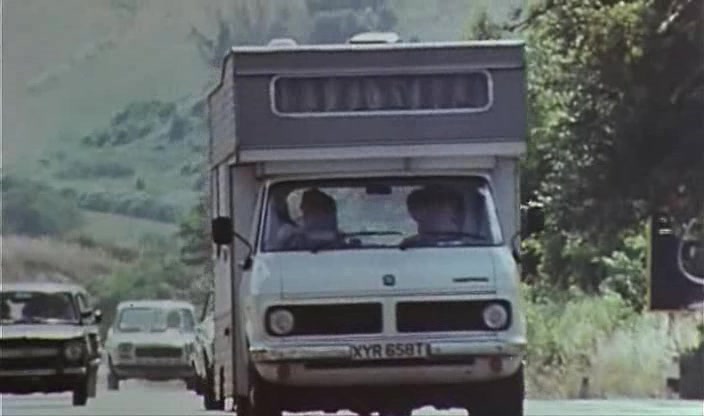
x=49 y=340
x=201 y=358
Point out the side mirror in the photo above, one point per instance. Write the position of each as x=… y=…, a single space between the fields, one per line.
x=533 y=220
x=222 y=230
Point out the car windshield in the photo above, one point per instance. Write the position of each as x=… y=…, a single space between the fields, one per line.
x=380 y=213
x=30 y=307
x=155 y=319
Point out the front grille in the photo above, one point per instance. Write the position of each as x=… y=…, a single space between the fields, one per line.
x=24 y=343
x=356 y=318
x=30 y=363
x=21 y=354
x=441 y=316
x=158 y=352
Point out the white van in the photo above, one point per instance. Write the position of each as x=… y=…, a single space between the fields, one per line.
x=372 y=193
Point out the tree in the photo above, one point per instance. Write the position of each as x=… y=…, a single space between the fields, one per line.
x=250 y=22
x=34 y=209
x=335 y=22
x=616 y=93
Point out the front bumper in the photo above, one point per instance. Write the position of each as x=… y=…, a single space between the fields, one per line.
x=447 y=362
x=153 y=371
x=41 y=380
x=344 y=351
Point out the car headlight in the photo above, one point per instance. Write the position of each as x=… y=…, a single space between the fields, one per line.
x=280 y=321
x=495 y=315
x=73 y=351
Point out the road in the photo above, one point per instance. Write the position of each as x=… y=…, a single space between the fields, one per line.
x=142 y=398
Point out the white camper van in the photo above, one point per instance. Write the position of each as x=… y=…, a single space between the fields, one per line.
x=365 y=217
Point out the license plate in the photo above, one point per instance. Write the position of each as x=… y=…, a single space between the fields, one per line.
x=390 y=351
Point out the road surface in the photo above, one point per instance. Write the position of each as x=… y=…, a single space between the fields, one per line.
x=143 y=398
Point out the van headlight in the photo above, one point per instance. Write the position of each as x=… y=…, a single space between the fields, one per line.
x=495 y=315
x=73 y=351
x=124 y=349
x=280 y=321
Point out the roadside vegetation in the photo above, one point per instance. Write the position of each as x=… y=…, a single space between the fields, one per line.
x=616 y=91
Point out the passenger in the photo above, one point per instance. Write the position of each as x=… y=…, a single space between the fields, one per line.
x=319 y=220
x=173 y=320
x=438 y=212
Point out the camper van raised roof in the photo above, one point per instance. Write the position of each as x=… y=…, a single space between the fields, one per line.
x=461 y=98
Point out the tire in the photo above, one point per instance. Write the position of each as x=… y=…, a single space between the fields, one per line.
x=503 y=397
x=191 y=383
x=210 y=402
x=242 y=407
x=92 y=381
x=80 y=393
x=113 y=382
x=396 y=412
x=262 y=400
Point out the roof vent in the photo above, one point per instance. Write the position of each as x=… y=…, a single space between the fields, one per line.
x=282 y=42
x=375 y=37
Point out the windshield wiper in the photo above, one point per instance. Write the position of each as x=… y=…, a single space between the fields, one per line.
x=363 y=233
x=331 y=243
x=417 y=242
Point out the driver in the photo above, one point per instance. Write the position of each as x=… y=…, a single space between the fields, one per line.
x=437 y=211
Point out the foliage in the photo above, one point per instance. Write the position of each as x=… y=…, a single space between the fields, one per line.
x=137 y=204
x=572 y=336
x=625 y=269
x=615 y=115
x=616 y=92
x=253 y=22
x=28 y=258
x=96 y=170
x=336 y=22
x=34 y=209
x=136 y=121
x=256 y=22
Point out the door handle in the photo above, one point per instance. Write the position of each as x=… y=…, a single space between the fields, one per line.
x=227 y=332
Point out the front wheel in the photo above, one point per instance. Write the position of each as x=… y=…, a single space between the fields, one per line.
x=503 y=397
x=262 y=400
x=113 y=381
x=191 y=383
x=210 y=402
x=80 y=393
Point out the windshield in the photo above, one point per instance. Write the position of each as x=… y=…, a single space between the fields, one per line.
x=155 y=319
x=37 y=307
x=380 y=213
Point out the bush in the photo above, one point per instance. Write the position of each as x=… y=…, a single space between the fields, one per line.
x=138 y=204
x=573 y=336
x=83 y=170
x=34 y=209
x=135 y=122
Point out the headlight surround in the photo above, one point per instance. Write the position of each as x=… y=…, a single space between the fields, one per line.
x=495 y=316
x=125 y=349
x=74 y=350
x=280 y=321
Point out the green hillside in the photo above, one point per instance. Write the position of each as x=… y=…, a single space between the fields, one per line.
x=103 y=99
